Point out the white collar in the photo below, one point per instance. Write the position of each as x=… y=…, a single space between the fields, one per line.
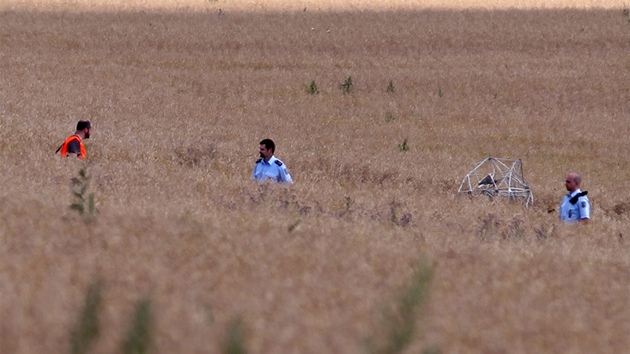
x=271 y=160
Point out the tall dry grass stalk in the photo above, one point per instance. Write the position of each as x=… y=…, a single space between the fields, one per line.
x=179 y=102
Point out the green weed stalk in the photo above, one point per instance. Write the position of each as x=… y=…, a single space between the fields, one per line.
x=401 y=322
x=235 y=338
x=83 y=202
x=87 y=329
x=138 y=339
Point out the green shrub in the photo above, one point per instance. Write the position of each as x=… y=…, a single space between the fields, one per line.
x=312 y=89
x=404 y=146
x=390 y=87
x=347 y=86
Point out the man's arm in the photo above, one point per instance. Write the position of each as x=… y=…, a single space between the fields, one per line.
x=584 y=207
x=285 y=175
x=74 y=147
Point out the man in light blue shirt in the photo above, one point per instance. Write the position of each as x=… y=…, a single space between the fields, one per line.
x=268 y=167
x=575 y=206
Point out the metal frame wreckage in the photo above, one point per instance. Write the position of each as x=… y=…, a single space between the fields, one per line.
x=498 y=177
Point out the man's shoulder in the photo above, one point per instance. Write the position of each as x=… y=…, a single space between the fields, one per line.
x=577 y=195
x=73 y=143
x=276 y=161
x=583 y=199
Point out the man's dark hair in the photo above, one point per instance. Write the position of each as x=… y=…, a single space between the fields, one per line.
x=84 y=124
x=269 y=144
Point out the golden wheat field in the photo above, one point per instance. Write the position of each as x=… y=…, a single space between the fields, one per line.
x=372 y=250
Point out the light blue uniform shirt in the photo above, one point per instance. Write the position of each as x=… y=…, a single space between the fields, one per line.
x=573 y=212
x=274 y=170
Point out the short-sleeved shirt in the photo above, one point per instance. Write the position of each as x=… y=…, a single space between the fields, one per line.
x=573 y=212
x=74 y=147
x=274 y=170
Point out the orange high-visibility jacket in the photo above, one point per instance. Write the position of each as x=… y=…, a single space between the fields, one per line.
x=64 y=148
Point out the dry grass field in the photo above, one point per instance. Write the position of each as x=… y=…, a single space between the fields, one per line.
x=181 y=92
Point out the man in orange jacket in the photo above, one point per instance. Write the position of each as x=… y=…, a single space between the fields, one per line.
x=74 y=143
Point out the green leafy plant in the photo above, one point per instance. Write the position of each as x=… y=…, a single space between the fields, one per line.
x=312 y=89
x=83 y=202
x=440 y=93
x=138 y=339
x=87 y=329
x=390 y=87
x=235 y=339
x=404 y=146
x=389 y=117
x=347 y=87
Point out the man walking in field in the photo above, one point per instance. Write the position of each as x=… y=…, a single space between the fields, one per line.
x=74 y=143
x=575 y=206
x=268 y=167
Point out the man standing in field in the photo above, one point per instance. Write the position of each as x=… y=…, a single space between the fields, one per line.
x=268 y=167
x=575 y=206
x=74 y=143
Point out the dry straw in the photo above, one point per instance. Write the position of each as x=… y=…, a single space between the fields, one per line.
x=180 y=100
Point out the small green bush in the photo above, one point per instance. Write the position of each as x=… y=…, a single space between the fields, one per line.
x=390 y=87
x=312 y=89
x=347 y=87
x=404 y=146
